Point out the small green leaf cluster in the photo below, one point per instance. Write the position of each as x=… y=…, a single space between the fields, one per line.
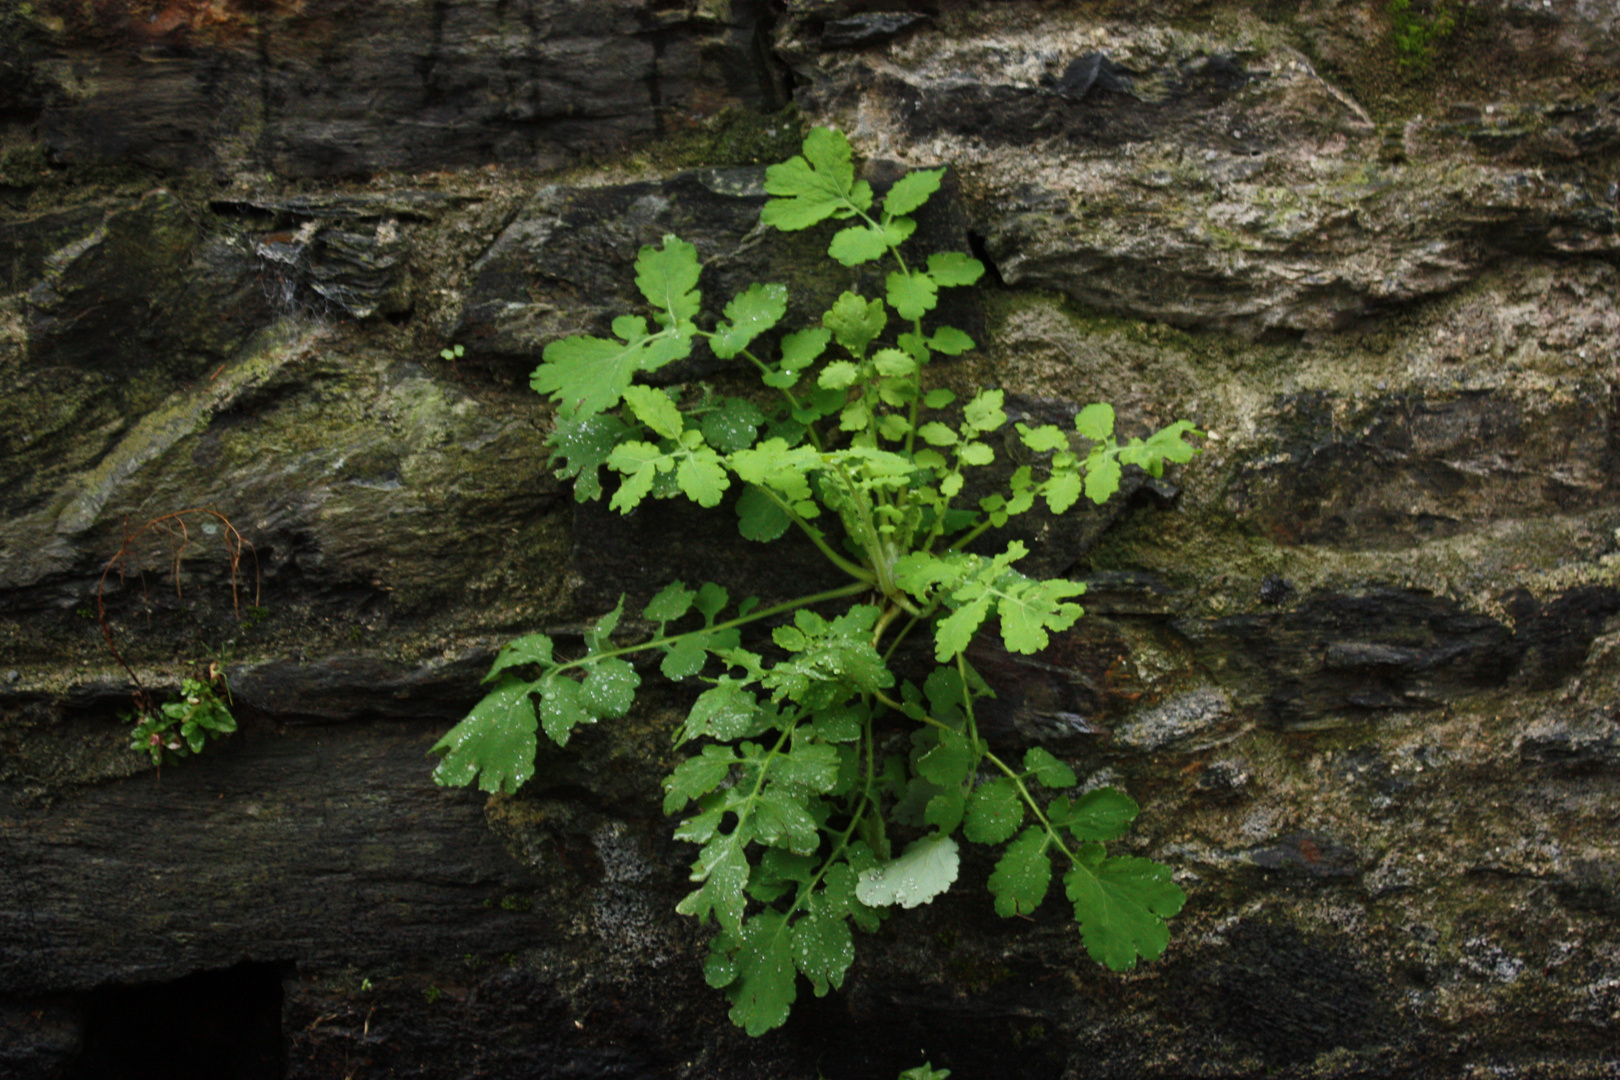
x=812 y=818
x=181 y=727
x=1416 y=35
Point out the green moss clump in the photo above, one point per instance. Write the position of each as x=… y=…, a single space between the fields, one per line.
x=732 y=137
x=23 y=166
x=1416 y=35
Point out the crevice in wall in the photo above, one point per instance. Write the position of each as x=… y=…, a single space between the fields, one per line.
x=210 y=1025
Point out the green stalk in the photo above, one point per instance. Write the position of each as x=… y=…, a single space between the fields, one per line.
x=853 y=569
x=765 y=369
x=967 y=710
x=1034 y=807
x=741 y=620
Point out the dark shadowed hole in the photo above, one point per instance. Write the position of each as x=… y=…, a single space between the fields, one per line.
x=999 y=1034
x=212 y=1025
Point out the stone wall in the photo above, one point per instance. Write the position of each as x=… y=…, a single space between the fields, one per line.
x=1360 y=661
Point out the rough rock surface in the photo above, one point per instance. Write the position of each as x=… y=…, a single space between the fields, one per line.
x=1212 y=177
x=1359 y=661
x=338 y=88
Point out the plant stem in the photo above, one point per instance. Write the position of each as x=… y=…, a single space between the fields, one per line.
x=853 y=569
x=741 y=620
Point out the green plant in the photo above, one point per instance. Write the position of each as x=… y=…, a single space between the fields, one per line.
x=925 y=1071
x=432 y=994
x=180 y=727
x=1415 y=35
x=818 y=752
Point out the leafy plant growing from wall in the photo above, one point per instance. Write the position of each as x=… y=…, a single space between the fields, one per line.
x=1416 y=35
x=809 y=822
x=182 y=725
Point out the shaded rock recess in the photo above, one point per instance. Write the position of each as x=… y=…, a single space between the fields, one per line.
x=1359 y=661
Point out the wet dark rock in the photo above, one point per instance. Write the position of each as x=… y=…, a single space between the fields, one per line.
x=1064 y=697
x=1556 y=636
x=145 y=278
x=1592 y=885
x=338 y=689
x=345 y=206
x=232 y=1027
x=1323 y=658
x=673 y=538
x=1407 y=468
x=358 y=274
x=869 y=28
x=1094 y=102
x=1127 y=592
x=25 y=243
x=1573 y=741
x=1181 y=230
x=1275 y=590
x=1224 y=779
x=1174 y=722
x=1093 y=70
x=408 y=86
x=1342 y=655
x=1286 y=998
x=1308 y=856
x=329 y=846
x=38 y=1039
x=1354 y=655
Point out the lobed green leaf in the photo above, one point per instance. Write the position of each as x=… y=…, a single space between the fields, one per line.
x=588 y=375
x=727 y=711
x=672 y=601
x=668 y=278
x=723 y=871
x=823 y=950
x=984 y=413
x=911 y=191
x=583 y=445
x=1044 y=439
x=949 y=268
x=950 y=762
x=855 y=322
x=733 y=426
x=816 y=185
x=528 y=649
x=763 y=990
x=950 y=341
x=911 y=295
x=838 y=375
x=994 y=812
x=697 y=776
x=1030 y=608
x=1096 y=422
x=751 y=312
x=1121 y=908
x=495 y=743
x=1098 y=815
x=858 y=244
x=944 y=810
x=654 y=408
x=1048 y=769
x=928 y=867
x=1023 y=874
x=760 y=517
x=1102 y=478
x=702 y=477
